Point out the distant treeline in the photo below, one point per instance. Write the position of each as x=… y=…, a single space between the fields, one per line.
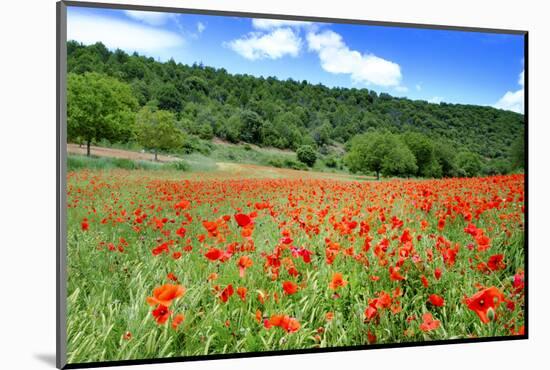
x=205 y=102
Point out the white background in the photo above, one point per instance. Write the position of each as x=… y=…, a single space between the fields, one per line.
x=27 y=194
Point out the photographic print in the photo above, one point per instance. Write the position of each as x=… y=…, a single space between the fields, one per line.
x=244 y=185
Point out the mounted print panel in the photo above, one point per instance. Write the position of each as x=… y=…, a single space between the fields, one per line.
x=237 y=184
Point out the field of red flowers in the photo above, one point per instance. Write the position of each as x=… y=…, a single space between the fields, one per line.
x=164 y=266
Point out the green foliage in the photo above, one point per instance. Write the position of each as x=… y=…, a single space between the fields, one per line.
x=517 y=151
x=99 y=107
x=381 y=152
x=307 y=155
x=77 y=162
x=156 y=130
x=468 y=164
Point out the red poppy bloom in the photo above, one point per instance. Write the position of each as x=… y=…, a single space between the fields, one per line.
x=165 y=294
x=437 y=273
x=177 y=320
x=337 y=281
x=242 y=219
x=161 y=314
x=436 y=300
x=395 y=275
x=181 y=232
x=226 y=293
x=85 y=225
x=496 y=262
x=428 y=323
x=244 y=263
x=213 y=254
x=290 y=287
x=241 y=291
x=484 y=301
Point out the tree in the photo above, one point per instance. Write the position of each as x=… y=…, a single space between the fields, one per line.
x=169 y=98
x=307 y=155
x=99 y=107
x=381 y=152
x=517 y=151
x=251 y=129
x=156 y=130
x=468 y=164
x=423 y=149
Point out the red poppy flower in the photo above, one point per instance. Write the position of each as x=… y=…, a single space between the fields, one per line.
x=241 y=291
x=213 y=254
x=290 y=287
x=242 y=219
x=436 y=300
x=85 y=225
x=177 y=320
x=337 y=281
x=484 y=301
x=244 y=263
x=161 y=314
x=437 y=273
x=226 y=293
x=165 y=294
x=181 y=232
x=428 y=323
x=395 y=275
x=496 y=262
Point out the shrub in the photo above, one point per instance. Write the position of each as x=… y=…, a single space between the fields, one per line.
x=306 y=154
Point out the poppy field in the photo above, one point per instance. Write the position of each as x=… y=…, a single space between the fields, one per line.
x=164 y=264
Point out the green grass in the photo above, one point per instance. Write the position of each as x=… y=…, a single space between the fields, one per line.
x=78 y=162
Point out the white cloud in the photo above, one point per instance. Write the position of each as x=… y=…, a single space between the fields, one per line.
x=436 y=100
x=513 y=100
x=418 y=87
x=200 y=27
x=401 y=89
x=273 y=45
x=336 y=57
x=152 y=18
x=121 y=34
x=269 y=24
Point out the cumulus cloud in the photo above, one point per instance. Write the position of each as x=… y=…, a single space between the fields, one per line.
x=269 y=24
x=513 y=100
x=152 y=18
x=336 y=57
x=115 y=33
x=273 y=45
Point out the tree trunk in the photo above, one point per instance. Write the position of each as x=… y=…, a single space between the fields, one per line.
x=377 y=175
x=88 y=148
x=156 y=157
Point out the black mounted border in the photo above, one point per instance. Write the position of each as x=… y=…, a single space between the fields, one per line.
x=61 y=252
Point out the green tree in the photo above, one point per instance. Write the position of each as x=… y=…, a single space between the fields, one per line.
x=169 y=98
x=307 y=155
x=156 y=130
x=380 y=152
x=251 y=129
x=423 y=149
x=99 y=107
x=517 y=151
x=468 y=164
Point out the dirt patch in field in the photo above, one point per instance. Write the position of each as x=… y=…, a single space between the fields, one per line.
x=118 y=153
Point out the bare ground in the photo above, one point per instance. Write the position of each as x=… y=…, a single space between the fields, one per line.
x=117 y=153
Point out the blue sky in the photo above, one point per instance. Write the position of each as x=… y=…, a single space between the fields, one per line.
x=432 y=65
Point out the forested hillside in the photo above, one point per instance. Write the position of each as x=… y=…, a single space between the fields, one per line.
x=208 y=102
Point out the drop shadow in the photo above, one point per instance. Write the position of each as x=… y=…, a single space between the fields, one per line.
x=47 y=358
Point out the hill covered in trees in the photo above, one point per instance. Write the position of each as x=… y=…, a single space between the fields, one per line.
x=207 y=102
